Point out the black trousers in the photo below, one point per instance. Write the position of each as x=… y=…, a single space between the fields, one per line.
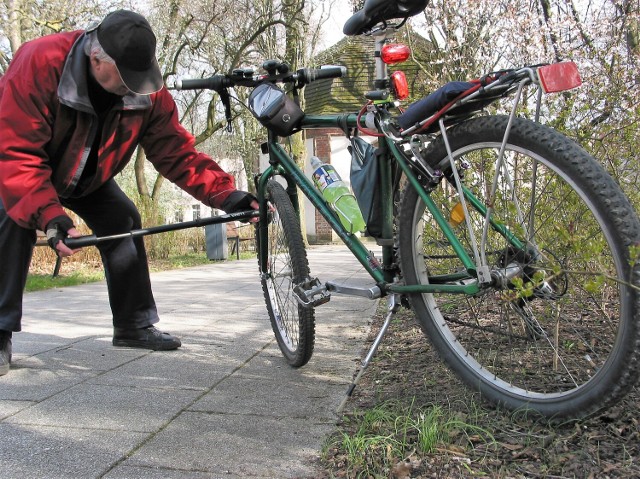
x=107 y=211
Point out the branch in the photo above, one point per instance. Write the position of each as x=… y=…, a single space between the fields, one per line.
x=240 y=50
x=546 y=12
x=212 y=124
x=583 y=33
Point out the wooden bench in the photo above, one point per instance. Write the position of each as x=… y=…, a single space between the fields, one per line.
x=41 y=240
x=235 y=247
x=234 y=237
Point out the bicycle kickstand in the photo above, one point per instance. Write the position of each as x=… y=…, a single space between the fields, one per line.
x=393 y=307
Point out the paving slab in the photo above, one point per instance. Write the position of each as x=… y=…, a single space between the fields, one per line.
x=224 y=405
x=36 y=452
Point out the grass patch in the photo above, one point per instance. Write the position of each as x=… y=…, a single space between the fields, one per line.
x=382 y=441
x=40 y=282
x=384 y=435
x=192 y=259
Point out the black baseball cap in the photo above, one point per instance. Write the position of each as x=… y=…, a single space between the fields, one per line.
x=127 y=37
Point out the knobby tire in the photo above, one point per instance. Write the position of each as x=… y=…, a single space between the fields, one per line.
x=293 y=324
x=563 y=338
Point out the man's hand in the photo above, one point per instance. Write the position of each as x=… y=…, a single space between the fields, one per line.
x=240 y=201
x=58 y=229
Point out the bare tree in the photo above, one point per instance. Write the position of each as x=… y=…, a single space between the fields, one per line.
x=24 y=20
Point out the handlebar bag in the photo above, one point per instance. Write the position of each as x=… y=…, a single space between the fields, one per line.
x=364 y=183
x=275 y=110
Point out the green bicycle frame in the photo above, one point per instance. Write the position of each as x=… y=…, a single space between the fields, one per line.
x=282 y=164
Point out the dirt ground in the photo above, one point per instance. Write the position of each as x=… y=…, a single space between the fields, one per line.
x=406 y=369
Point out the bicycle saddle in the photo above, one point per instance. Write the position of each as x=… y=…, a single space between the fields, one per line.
x=379 y=11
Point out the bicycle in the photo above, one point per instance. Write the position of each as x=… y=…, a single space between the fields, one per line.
x=514 y=247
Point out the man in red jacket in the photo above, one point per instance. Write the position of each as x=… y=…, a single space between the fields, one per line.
x=73 y=108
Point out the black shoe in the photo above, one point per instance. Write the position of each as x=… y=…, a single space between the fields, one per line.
x=5 y=352
x=146 y=338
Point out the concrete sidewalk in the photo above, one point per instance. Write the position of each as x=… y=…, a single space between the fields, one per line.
x=225 y=405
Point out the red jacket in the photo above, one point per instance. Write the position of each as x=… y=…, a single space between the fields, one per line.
x=47 y=128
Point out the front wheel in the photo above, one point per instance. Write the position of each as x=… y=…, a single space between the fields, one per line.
x=287 y=266
x=557 y=330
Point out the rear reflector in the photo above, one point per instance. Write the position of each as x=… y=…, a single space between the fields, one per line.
x=559 y=77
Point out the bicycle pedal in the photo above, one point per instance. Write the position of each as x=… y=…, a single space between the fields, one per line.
x=311 y=293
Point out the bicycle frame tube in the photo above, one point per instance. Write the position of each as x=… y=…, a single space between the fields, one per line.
x=287 y=167
x=387 y=194
x=442 y=283
x=329 y=121
x=469 y=265
x=497 y=226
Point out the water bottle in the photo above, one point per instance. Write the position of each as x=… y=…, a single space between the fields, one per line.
x=338 y=195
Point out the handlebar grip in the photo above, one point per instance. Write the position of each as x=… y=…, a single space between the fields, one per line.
x=215 y=82
x=80 y=242
x=309 y=75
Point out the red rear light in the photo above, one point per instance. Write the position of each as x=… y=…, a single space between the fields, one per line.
x=393 y=53
x=399 y=85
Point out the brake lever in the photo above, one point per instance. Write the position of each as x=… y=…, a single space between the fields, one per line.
x=226 y=101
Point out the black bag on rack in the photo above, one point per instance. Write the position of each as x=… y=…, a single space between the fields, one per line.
x=364 y=183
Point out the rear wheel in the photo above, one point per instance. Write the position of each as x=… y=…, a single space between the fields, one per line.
x=557 y=331
x=287 y=266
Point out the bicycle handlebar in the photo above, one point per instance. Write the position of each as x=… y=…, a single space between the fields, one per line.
x=247 y=78
x=215 y=82
x=309 y=75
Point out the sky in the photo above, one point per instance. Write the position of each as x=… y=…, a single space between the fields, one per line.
x=340 y=12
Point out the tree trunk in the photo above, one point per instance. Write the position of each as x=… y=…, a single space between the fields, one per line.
x=295 y=46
